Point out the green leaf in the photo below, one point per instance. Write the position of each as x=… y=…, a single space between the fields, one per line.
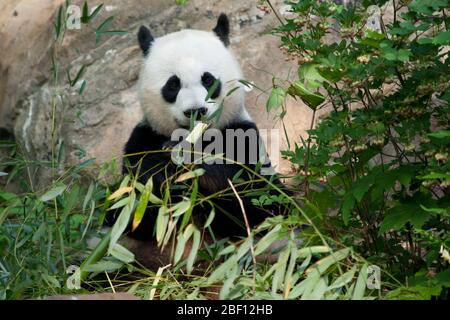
x=276 y=98
x=191 y=174
x=80 y=73
x=436 y=175
x=317 y=291
x=59 y=22
x=268 y=239
x=101 y=29
x=361 y=186
x=88 y=196
x=193 y=254
x=306 y=286
x=3 y=215
x=181 y=207
x=220 y=272
x=188 y=214
x=347 y=207
x=323 y=264
x=57 y=190
x=212 y=89
x=103 y=266
x=121 y=203
x=121 y=253
x=290 y=269
x=343 y=279
x=140 y=210
x=361 y=283
x=441 y=134
x=442 y=38
x=310 y=76
x=306 y=252
x=122 y=222
x=427 y=7
x=161 y=223
x=95 y=12
x=435 y=210
x=210 y=219
x=179 y=250
x=399 y=215
x=82 y=87
x=85 y=15
x=244 y=247
x=105 y=24
x=375 y=35
x=311 y=99
x=280 y=270
x=392 y=54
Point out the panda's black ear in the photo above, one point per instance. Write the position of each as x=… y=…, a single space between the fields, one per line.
x=222 y=29
x=145 y=39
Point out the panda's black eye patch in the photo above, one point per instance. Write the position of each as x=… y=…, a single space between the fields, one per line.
x=171 y=89
x=208 y=81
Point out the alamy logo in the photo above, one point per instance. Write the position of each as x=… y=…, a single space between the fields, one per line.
x=73 y=18
x=74 y=280
x=373 y=277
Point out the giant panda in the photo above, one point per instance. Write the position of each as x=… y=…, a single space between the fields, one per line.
x=179 y=71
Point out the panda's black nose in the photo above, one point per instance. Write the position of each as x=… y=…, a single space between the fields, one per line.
x=199 y=111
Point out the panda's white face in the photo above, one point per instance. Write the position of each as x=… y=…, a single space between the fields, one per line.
x=178 y=71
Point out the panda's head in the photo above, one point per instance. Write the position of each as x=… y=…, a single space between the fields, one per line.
x=180 y=69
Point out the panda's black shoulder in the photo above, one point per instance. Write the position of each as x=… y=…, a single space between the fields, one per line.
x=144 y=138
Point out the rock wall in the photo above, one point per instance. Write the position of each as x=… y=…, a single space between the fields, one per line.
x=98 y=123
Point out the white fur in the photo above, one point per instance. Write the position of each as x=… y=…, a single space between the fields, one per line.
x=188 y=54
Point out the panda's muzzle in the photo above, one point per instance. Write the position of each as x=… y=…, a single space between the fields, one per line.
x=197 y=112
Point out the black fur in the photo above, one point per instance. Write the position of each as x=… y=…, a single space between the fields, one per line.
x=145 y=39
x=171 y=89
x=229 y=218
x=222 y=29
x=208 y=81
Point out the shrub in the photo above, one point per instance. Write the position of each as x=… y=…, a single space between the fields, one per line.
x=377 y=166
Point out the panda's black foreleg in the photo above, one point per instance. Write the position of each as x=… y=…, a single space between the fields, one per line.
x=229 y=219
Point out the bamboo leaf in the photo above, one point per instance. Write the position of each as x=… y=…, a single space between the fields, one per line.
x=210 y=218
x=322 y=265
x=121 y=203
x=190 y=175
x=267 y=240
x=181 y=208
x=122 y=222
x=179 y=250
x=57 y=190
x=104 y=266
x=280 y=270
x=360 y=287
x=121 y=253
x=140 y=210
x=161 y=223
x=221 y=271
x=120 y=192
x=343 y=279
x=193 y=254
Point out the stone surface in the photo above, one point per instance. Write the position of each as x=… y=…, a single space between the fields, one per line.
x=97 y=124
